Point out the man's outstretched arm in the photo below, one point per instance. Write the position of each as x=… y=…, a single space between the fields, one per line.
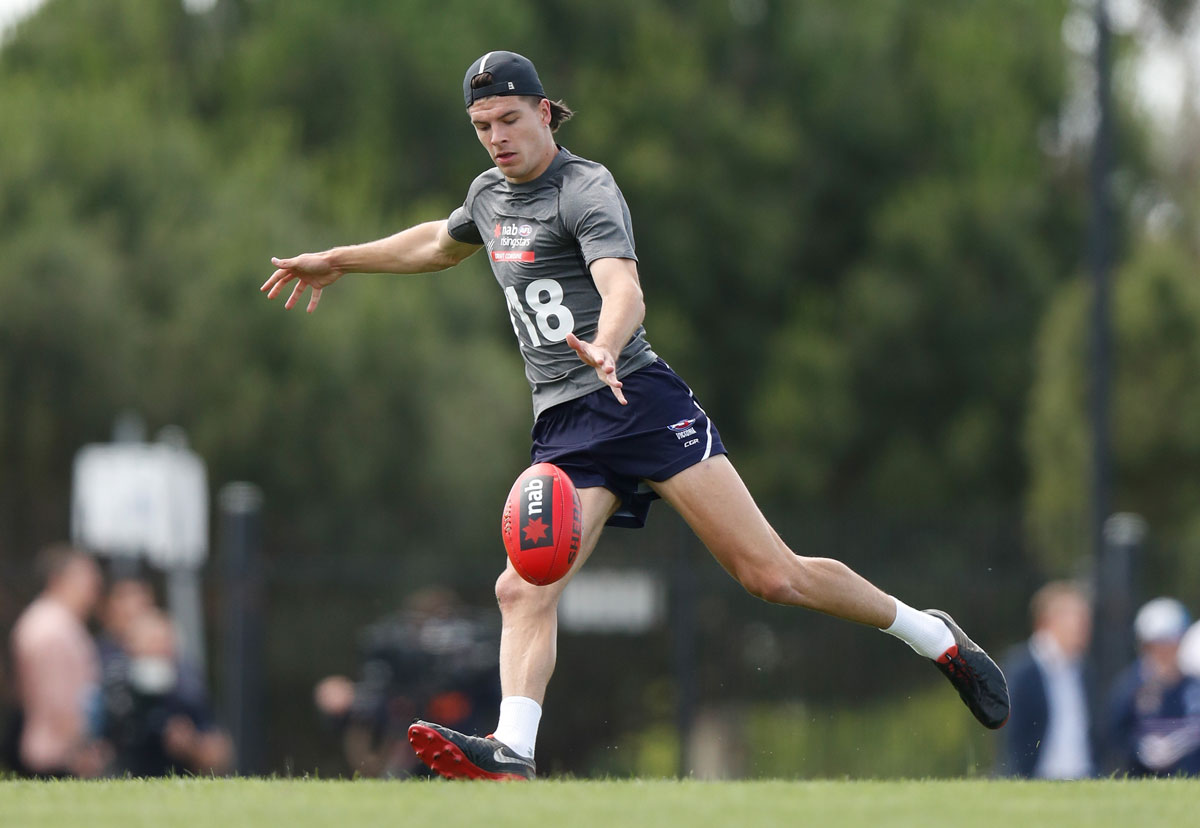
x=423 y=248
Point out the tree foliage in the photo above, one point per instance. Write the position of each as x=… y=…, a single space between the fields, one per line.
x=1156 y=437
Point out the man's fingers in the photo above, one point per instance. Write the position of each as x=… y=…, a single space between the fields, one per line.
x=276 y=283
x=585 y=350
x=314 y=299
x=271 y=279
x=608 y=372
x=282 y=264
x=616 y=389
x=576 y=344
x=601 y=360
x=297 y=291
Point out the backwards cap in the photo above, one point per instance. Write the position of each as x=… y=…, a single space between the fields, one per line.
x=512 y=74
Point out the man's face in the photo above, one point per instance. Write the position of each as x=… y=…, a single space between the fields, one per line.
x=1069 y=620
x=516 y=135
x=127 y=601
x=81 y=584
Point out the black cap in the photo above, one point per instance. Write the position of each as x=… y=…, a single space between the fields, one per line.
x=512 y=74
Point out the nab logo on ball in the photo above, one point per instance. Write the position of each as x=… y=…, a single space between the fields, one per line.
x=541 y=524
x=537 y=511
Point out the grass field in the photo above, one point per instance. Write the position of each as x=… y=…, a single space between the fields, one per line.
x=300 y=803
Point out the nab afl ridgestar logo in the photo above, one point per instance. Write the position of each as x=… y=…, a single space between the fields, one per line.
x=514 y=242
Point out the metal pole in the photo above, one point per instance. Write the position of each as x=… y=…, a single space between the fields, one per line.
x=241 y=536
x=1113 y=646
x=1112 y=564
x=683 y=638
x=1100 y=256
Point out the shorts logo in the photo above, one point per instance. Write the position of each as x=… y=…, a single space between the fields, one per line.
x=683 y=428
x=524 y=231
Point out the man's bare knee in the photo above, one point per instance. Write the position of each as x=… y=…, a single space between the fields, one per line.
x=770 y=587
x=785 y=582
x=515 y=594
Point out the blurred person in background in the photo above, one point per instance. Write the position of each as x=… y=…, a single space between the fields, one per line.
x=1189 y=652
x=1155 y=707
x=435 y=658
x=128 y=598
x=57 y=671
x=1049 y=734
x=157 y=725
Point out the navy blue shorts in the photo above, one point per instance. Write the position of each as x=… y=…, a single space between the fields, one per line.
x=599 y=442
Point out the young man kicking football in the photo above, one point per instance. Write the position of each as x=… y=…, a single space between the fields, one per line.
x=560 y=243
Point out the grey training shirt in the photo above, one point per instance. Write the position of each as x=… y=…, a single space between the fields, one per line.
x=541 y=237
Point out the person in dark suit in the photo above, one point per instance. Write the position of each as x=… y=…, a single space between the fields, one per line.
x=1049 y=733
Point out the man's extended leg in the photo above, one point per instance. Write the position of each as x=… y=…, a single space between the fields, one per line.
x=528 y=650
x=714 y=501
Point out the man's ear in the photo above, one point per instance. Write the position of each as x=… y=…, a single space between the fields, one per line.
x=544 y=111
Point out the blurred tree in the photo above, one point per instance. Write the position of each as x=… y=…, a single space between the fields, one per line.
x=1156 y=348
x=1156 y=436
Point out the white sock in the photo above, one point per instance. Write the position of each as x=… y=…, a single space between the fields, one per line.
x=925 y=633
x=518 y=725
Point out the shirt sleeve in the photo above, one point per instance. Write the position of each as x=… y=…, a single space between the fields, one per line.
x=596 y=214
x=461 y=226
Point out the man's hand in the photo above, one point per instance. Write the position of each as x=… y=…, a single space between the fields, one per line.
x=308 y=269
x=602 y=360
x=179 y=739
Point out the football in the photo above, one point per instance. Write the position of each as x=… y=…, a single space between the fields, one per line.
x=541 y=524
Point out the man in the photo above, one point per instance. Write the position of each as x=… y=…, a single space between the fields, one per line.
x=57 y=669
x=608 y=410
x=157 y=724
x=1155 y=708
x=1049 y=735
x=128 y=599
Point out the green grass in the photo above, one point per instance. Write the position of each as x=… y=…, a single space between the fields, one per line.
x=299 y=803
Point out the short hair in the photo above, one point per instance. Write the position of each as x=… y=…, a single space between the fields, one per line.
x=560 y=113
x=1051 y=592
x=53 y=560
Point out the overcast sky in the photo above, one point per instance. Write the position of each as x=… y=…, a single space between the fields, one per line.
x=13 y=10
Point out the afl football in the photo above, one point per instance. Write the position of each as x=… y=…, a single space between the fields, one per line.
x=541 y=524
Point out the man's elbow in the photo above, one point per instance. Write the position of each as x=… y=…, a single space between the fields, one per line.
x=448 y=255
x=442 y=259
